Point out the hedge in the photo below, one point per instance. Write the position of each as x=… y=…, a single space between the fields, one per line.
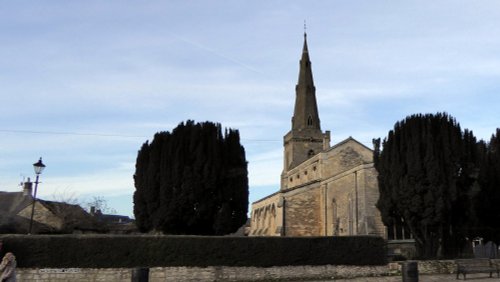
x=126 y=251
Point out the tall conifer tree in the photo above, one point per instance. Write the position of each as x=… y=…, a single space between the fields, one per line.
x=192 y=181
x=427 y=171
x=486 y=204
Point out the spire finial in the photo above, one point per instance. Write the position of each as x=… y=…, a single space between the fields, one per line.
x=305 y=29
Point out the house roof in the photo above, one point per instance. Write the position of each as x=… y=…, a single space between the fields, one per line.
x=64 y=209
x=13 y=202
x=16 y=224
x=73 y=216
x=112 y=218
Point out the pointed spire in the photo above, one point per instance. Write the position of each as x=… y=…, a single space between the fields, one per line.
x=305 y=73
x=304 y=49
x=306 y=110
x=305 y=139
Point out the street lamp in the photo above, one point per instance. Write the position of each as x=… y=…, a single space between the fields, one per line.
x=38 y=166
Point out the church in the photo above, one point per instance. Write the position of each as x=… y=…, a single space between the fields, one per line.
x=325 y=190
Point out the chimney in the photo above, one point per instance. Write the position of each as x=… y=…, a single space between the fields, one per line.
x=28 y=188
x=92 y=210
x=326 y=140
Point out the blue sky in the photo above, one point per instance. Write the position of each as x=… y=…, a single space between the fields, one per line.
x=84 y=83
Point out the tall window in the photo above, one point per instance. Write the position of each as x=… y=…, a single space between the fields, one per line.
x=350 y=208
x=309 y=121
x=336 y=221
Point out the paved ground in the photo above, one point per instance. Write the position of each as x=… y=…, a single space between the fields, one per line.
x=423 y=278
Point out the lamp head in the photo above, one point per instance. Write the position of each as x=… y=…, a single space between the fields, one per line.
x=38 y=166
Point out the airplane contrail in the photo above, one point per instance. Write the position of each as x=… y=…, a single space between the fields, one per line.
x=212 y=51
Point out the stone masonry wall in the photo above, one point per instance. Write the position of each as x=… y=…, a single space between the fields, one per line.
x=226 y=273
x=212 y=273
x=266 y=218
x=373 y=217
x=340 y=199
x=74 y=274
x=302 y=213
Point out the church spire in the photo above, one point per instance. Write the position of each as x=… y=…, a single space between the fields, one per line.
x=305 y=139
x=305 y=114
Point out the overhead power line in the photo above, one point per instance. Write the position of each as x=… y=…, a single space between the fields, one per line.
x=117 y=135
x=101 y=134
x=69 y=133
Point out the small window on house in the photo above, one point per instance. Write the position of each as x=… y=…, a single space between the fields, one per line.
x=298 y=176
x=314 y=168
x=310 y=153
x=291 y=179
x=305 y=172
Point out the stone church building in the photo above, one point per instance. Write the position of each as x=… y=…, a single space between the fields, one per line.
x=325 y=190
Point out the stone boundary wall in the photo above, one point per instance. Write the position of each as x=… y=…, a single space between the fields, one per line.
x=73 y=274
x=437 y=267
x=226 y=273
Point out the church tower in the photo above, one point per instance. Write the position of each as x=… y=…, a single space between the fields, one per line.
x=305 y=139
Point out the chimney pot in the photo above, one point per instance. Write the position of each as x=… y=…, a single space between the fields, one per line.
x=28 y=188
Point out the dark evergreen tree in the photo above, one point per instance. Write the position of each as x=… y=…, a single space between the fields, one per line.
x=427 y=171
x=192 y=181
x=140 y=177
x=486 y=204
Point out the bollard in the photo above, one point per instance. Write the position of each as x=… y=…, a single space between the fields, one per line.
x=140 y=275
x=410 y=271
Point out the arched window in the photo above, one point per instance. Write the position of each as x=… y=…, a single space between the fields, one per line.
x=257 y=219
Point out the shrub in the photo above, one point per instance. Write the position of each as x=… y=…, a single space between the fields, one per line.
x=115 y=251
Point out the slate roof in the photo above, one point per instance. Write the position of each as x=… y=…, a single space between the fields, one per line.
x=14 y=202
x=114 y=219
x=10 y=204
x=15 y=224
x=73 y=216
x=64 y=209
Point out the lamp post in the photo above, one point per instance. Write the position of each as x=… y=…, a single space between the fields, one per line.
x=38 y=166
